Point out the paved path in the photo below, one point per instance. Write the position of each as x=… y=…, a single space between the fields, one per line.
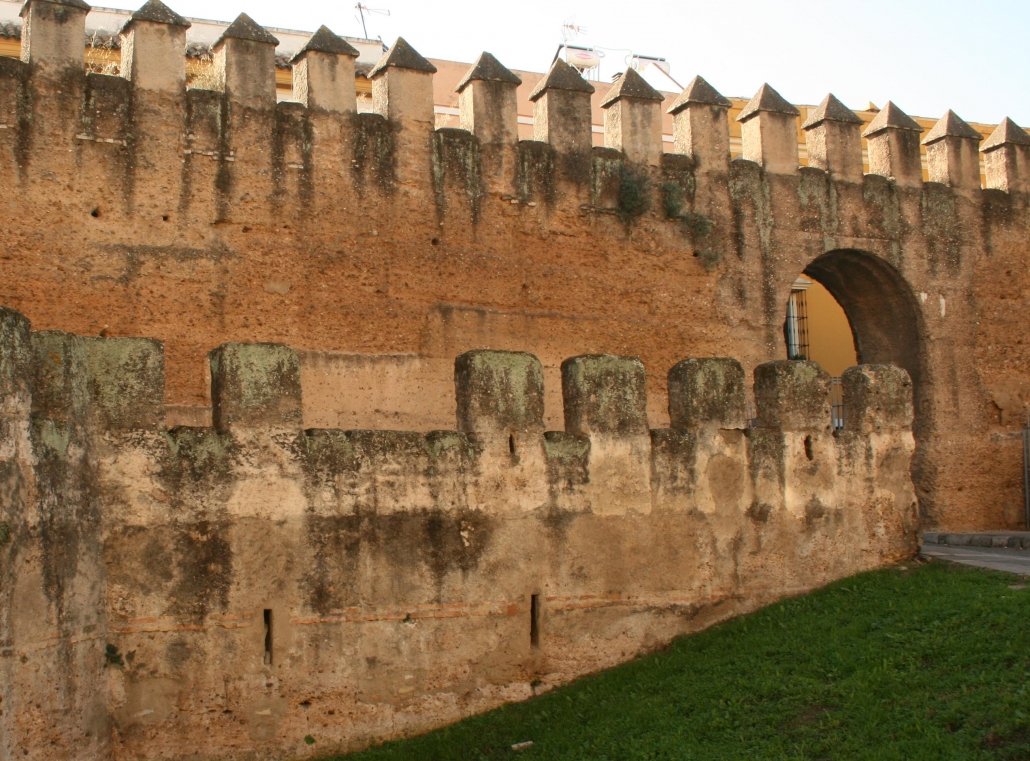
x=995 y=558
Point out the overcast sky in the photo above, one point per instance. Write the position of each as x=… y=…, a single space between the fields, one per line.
x=972 y=57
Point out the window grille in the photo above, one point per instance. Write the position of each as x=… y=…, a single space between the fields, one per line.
x=796 y=327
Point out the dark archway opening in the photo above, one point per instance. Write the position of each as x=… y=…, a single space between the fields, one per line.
x=881 y=308
x=886 y=328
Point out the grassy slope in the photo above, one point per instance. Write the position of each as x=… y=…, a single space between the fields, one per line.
x=929 y=662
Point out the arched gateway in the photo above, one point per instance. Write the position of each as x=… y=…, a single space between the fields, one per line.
x=886 y=327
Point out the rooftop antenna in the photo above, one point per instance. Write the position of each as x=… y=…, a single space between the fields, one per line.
x=570 y=31
x=362 y=9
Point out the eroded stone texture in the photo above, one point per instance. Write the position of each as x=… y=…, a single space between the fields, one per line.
x=145 y=560
x=251 y=584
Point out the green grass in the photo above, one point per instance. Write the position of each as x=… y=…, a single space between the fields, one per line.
x=916 y=662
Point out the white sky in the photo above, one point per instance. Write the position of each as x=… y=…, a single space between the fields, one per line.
x=926 y=56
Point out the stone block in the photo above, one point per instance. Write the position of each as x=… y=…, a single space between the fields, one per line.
x=604 y=394
x=707 y=391
x=126 y=382
x=255 y=386
x=792 y=395
x=876 y=397
x=15 y=353
x=499 y=391
x=52 y=34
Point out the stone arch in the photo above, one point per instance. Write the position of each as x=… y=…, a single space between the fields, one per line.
x=886 y=322
x=887 y=327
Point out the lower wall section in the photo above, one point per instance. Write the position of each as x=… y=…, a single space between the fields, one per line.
x=411 y=639
x=234 y=591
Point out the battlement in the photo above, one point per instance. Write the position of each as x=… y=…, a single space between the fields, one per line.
x=118 y=385
x=297 y=565
x=144 y=555
x=137 y=122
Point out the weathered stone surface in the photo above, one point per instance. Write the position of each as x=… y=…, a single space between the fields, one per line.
x=487 y=69
x=950 y=125
x=15 y=353
x=499 y=391
x=255 y=385
x=385 y=249
x=793 y=395
x=707 y=391
x=631 y=86
x=127 y=382
x=156 y=12
x=269 y=548
x=698 y=91
x=768 y=100
x=402 y=56
x=831 y=109
x=891 y=117
x=877 y=397
x=246 y=28
x=1006 y=133
x=604 y=394
x=561 y=76
x=324 y=40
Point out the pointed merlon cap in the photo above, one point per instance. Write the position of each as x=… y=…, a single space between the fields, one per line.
x=66 y=3
x=1006 y=133
x=830 y=110
x=767 y=99
x=156 y=12
x=326 y=41
x=402 y=56
x=487 y=69
x=950 y=125
x=245 y=28
x=561 y=77
x=631 y=86
x=891 y=117
x=700 y=92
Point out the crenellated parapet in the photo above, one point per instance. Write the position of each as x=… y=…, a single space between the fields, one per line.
x=552 y=505
x=310 y=138
x=258 y=543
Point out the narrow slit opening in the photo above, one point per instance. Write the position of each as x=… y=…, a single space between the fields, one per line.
x=534 y=620
x=511 y=443
x=808 y=447
x=268 y=636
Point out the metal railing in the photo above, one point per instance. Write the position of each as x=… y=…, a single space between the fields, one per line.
x=836 y=404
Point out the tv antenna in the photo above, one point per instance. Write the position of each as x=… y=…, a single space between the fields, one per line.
x=571 y=31
x=362 y=9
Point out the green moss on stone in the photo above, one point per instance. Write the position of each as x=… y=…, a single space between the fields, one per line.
x=375 y=150
x=604 y=394
x=536 y=172
x=126 y=377
x=255 y=383
x=198 y=457
x=457 y=159
x=501 y=389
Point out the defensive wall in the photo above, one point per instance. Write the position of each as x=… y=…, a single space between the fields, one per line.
x=138 y=207
x=292 y=564
x=225 y=592
x=196 y=587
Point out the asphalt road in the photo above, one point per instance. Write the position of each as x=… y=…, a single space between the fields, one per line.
x=995 y=558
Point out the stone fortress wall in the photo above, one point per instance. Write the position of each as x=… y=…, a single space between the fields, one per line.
x=224 y=592
x=232 y=585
